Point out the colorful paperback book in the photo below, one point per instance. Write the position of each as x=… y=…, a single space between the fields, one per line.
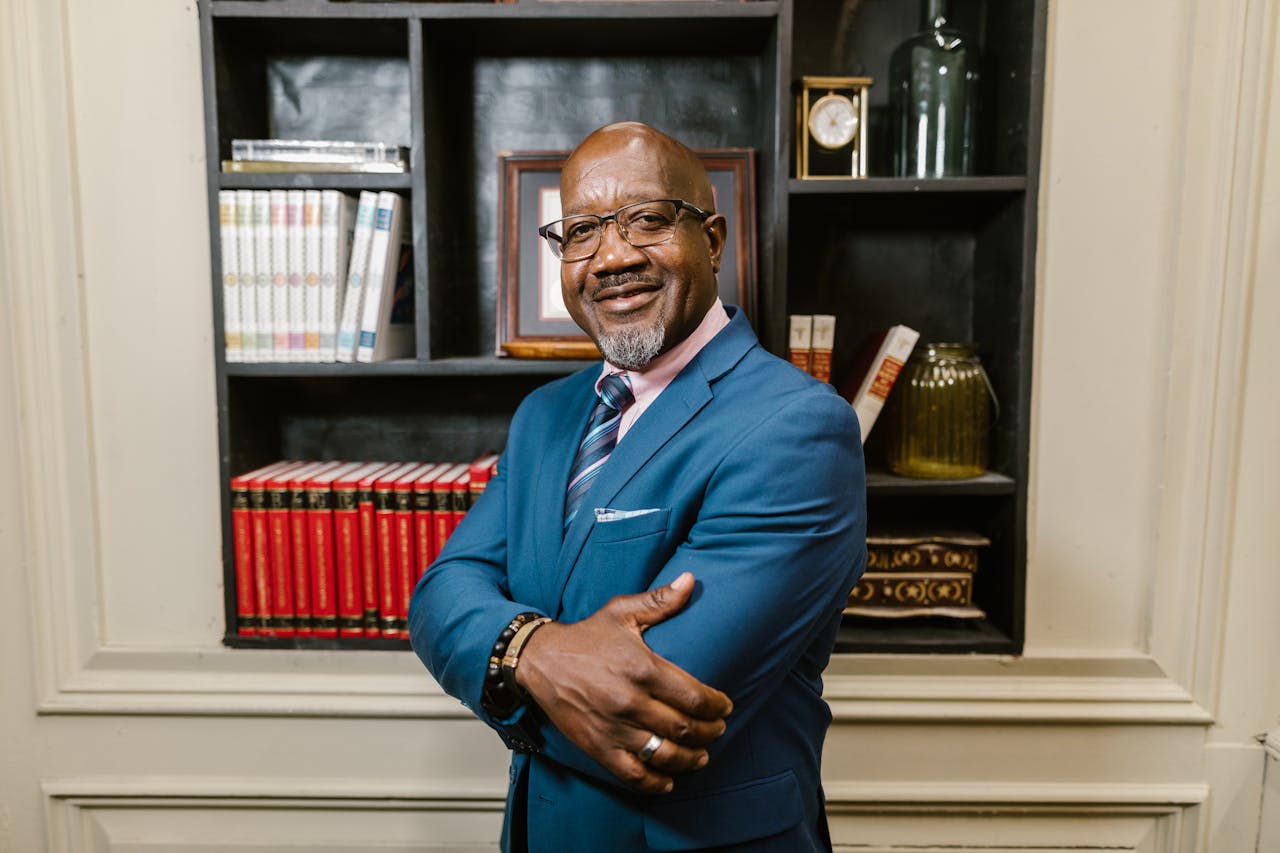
x=262 y=273
x=337 y=219
x=230 y=275
x=296 y=266
x=311 y=273
x=248 y=279
x=386 y=327
x=279 y=275
x=357 y=269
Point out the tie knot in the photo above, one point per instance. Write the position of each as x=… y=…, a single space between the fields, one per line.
x=615 y=392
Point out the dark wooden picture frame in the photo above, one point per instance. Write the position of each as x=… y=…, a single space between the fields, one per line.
x=531 y=320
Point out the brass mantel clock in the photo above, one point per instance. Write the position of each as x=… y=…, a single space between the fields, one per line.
x=831 y=123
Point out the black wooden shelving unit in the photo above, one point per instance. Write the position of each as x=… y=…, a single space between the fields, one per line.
x=952 y=258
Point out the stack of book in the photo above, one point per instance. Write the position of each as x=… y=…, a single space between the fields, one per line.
x=811 y=341
x=918 y=574
x=313 y=155
x=334 y=549
x=315 y=276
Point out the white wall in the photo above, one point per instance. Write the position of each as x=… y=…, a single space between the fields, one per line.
x=1152 y=641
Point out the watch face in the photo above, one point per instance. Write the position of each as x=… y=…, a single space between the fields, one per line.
x=833 y=121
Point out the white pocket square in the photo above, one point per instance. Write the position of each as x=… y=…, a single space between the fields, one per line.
x=605 y=514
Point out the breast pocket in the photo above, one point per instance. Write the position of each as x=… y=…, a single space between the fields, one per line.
x=619 y=557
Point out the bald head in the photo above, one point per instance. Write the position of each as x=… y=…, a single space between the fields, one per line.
x=643 y=151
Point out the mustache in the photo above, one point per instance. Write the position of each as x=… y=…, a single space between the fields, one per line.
x=619 y=279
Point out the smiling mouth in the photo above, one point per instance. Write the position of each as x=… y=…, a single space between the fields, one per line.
x=624 y=291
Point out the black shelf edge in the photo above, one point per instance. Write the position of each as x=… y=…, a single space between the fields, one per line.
x=461 y=366
x=394 y=644
x=312 y=180
x=990 y=483
x=523 y=10
x=907 y=186
x=919 y=635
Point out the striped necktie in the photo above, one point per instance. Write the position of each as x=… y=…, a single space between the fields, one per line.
x=598 y=441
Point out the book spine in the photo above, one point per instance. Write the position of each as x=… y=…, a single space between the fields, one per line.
x=301 y=562
x=441 y=517
x=296 y=261
x=346 y=531
x=324 y=606
x=380 y=279
x=824 y=339
x=242 y=547
x=384 y=517
x=406 y=558
x=335 y=238
x=357 y=267
x=248 y=275
x=368 y=561
x=279 y=275
x=283 y=599
x=424 y=530
x=885 y=367
x=459 y=503
x=311 y=273
x=261 y=558
x=262 y=274
x=230 y=275
x=800 y=341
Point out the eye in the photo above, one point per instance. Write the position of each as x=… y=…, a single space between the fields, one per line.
x=648 y=219
x=579 y=230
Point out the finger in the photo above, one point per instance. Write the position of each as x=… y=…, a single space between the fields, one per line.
x=680 y=729
x=637 y=775
x=646 y=609
x=671 y=757
x=673 y=686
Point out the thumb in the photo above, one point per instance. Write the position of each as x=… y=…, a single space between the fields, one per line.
x=647 y=609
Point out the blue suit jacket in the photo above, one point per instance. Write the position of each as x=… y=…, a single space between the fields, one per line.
x=755 y=474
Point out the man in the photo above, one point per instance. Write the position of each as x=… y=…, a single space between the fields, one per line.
x=692 y=533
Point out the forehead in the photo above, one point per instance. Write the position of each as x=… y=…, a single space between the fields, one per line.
x=603 y=177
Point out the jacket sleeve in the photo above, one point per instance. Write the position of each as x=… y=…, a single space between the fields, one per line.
x=777 y=545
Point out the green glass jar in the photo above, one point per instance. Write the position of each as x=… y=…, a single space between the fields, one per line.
x=939 y=415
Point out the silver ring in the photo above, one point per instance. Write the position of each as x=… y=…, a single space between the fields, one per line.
x=650 y=747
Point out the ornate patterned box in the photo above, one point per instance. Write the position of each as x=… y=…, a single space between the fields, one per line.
x=918 y=574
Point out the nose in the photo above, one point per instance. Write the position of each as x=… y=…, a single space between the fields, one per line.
x=616 y=252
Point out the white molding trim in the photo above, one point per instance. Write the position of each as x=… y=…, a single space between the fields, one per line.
x=986 y=796
x=1271 y=743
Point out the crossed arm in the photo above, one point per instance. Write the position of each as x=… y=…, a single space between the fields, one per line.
x=723 y=623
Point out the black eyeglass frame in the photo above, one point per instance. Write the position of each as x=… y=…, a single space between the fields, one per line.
x=680 y=204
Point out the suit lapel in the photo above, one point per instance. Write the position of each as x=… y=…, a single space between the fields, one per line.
x=687 y=394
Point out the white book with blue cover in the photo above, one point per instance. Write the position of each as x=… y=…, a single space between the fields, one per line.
x=337 y=213
x=386 y=327
x=357 y=270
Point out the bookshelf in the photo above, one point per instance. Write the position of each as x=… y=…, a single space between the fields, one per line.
x=953 y=258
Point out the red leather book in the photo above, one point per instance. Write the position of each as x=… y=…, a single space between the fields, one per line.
x=442 y=503
x=299 y=542
x=406 y=543
x=369 y=549
x=424 y=516
x=242 y=549
x=269 y=624
x=324 y=579
x=460 y=500
x=347 y=549
x=480 y=471
x=280 y=552
x=384 y=517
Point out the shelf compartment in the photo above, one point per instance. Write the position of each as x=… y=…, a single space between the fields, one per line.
x=990 y=483
x=908 y=186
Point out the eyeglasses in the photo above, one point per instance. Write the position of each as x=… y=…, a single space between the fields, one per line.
x=645 y=223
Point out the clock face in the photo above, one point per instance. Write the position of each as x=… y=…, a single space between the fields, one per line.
x=833 y=121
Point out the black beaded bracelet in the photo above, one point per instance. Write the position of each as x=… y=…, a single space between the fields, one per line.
x=498 y=697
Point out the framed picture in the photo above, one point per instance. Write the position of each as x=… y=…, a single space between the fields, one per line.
x=532 y=321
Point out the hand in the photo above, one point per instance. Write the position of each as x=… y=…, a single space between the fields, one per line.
x=607 y=691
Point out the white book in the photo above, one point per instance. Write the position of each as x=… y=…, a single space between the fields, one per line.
x=800 y=341
x=895 y=346
x=357 y=268
x=279 y=275
x=386 y=327
x=824 y=341
x=248 y=280
x=262 y=273
x=337 y=213
x=230 y=275
x=311 y=273
x=297 y=317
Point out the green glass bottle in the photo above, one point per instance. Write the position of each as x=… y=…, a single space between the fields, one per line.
x=933 y=79
x=939 y=415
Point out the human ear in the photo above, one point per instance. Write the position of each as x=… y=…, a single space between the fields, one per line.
x=716 y=229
